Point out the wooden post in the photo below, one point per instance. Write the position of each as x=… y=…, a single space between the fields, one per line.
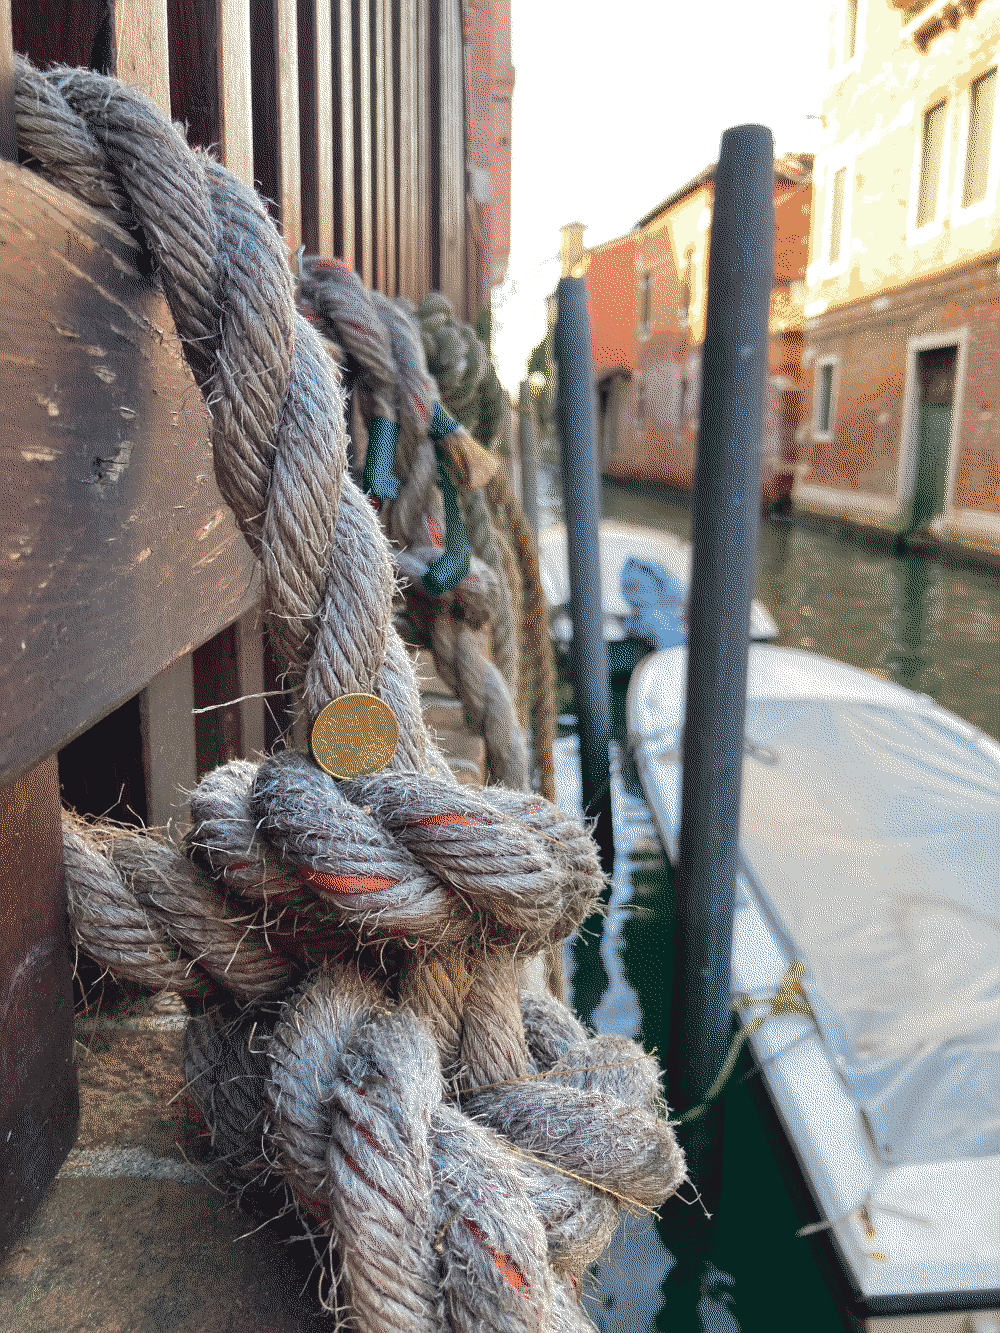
x=316 y=109
x=408 y=151
x=343 y=158
x=141 y=52
x=286 y=57
x=235 y=105
x=362 y=142
x=39 y=1099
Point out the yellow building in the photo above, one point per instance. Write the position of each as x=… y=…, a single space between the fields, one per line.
x=899 y=424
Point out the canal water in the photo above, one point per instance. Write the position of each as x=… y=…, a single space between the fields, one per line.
x=928 y=624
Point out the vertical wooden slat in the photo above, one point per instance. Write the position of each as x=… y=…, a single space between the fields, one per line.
x=406 y=23
x=235 y=103
x=389 y=121
x=194 y=79
x=343 y=131
x=250 y=672
x=362 y=141
x=450 y=141
x=289 y=161
x=39 y=1100
x=8 y=127
x=168 y=743
x=423 y=104
x=141 y=53
x=316 y=113
x=376 y=15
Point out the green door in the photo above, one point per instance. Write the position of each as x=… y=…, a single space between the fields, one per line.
x=936 y=375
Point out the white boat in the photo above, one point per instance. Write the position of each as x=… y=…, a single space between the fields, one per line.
x=619 y=541
x=870 y=851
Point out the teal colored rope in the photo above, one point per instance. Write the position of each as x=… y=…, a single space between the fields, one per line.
x=452 y=567
x=380 y=458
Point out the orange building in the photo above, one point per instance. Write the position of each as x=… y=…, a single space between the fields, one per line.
x=648 y=304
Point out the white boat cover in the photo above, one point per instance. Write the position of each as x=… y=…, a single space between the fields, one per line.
x=880 y=855
x=870 y=832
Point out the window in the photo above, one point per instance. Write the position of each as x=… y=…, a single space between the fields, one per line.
x=823 y=399
x=931 y=153
x=684 y=313
x=646 y=300
x=982 y=100
x=837 y=213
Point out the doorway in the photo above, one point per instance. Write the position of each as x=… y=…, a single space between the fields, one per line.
x=935 y=384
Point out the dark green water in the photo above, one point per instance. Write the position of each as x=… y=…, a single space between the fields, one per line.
x=931 y=626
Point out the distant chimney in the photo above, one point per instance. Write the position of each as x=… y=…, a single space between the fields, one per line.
x=571 y=249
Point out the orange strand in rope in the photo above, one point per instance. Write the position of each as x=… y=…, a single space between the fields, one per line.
x=507 y=1266
x=428 y=820
x=346 y=883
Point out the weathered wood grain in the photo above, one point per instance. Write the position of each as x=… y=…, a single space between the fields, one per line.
x=450 y=193
x=286 y=53
x=404 y=12
x=140 y=45
x=8 y=129
x=316 y=119
x=119 y=554
x=387 y=43
x=343 y=129
x=361 y=55
x=235 y=104
x=39 y=1102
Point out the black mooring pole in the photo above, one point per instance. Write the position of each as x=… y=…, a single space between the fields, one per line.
x=726 y=513
x=582 y=504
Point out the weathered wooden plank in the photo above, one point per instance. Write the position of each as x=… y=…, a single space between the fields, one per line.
x=8 y=129
x=120 y=554
x=168 y=743
x=422 y=64
x=275 y=94
x=216 y=688
x=450 y=194
x=142 y=57
x=388 y=115
x=343 y=130
x=407 y=146
x=316 y=113
x=289 y=155
x=250 y=678
x=361 y=55
x=377 y=16
x=235 y=102
x=39 y=1102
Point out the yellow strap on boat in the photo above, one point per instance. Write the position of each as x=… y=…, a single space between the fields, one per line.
x=789 y=998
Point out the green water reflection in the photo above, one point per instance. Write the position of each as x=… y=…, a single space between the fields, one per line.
x=930 y=626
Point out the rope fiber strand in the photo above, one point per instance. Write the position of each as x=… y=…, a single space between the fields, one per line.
x=350 y=951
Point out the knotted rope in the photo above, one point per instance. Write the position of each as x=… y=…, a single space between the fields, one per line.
x=352 y=948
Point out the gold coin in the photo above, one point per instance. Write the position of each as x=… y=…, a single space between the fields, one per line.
x=355 y=734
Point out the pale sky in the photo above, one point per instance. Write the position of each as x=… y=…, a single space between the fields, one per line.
x=619 y=102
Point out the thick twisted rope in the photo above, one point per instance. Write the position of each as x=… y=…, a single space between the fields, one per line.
x=384 y=350
x=472 y=392
x=414 y=898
